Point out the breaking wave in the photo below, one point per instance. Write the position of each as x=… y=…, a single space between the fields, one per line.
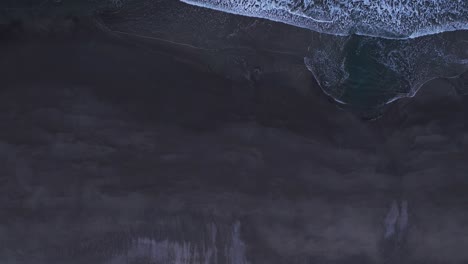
x=398 y=19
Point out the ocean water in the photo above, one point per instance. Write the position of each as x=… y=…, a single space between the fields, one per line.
x=384 y=18
x=366 y=54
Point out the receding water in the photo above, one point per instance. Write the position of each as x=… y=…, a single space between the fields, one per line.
x=368 y=72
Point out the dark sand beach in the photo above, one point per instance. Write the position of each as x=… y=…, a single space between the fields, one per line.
x=172 y=144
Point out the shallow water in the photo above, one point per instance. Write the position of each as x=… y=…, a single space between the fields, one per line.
x=367 y=72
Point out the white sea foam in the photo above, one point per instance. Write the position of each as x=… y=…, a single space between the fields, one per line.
x=379 y=18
